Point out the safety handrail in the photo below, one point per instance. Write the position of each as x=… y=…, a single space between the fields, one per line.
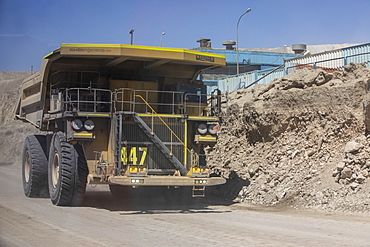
x=80 y=98
x=169 y=128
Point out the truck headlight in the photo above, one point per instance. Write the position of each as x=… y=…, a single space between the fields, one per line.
x=89 y=124
x=77 y=124
x=200 y=181
x=202 y=129
x=137 y=181
x=213 y=128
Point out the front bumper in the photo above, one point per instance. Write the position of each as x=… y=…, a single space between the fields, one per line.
x=172 y=181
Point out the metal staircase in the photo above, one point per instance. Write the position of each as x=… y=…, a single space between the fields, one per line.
x=159 y=144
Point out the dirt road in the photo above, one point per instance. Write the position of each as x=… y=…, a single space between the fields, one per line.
x=104 y=221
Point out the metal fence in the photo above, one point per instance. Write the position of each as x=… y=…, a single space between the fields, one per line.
x=329 y=61
x=235 y=82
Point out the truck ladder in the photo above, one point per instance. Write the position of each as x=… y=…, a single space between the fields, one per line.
x=198 y=191
x=118 y=137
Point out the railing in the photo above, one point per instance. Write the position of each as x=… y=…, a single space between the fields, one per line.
x=169 y=102
x=203 y=104
x=87 y=100
x=124 y=100
x=155 y=114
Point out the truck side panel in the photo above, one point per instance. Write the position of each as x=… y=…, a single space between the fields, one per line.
x=31 y=98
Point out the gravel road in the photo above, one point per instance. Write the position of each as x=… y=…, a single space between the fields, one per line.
x=105 y=221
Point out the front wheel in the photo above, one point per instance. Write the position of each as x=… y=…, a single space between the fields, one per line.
x=68 y=172
x=35 y=167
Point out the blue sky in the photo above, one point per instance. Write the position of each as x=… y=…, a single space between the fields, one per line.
x=31 y=29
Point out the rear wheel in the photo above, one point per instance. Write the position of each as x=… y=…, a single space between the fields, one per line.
x=35 y=167
x=67 y=172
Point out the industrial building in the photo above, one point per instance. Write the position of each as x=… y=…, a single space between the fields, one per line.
x=263 y=65
x=248 y=61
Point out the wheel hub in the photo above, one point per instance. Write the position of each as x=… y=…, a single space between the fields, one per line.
x=55 y=170
x=27 y=167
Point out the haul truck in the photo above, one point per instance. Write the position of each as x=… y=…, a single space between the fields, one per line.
x=124 y=115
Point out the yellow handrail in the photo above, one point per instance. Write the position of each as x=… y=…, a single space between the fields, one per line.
x=169 y=128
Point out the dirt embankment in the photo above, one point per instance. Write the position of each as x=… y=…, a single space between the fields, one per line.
x=12 y=132
x=300 y=141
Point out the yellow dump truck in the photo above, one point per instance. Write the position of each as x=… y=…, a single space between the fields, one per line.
x=124 y=115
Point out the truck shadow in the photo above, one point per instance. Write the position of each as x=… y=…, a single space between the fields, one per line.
x=154 y=201
x=229 y=191
x=153 y=204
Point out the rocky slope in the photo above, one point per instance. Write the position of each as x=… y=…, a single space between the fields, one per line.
x=12 y=132
x=300 y=141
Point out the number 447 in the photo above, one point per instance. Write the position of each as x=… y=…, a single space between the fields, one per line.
x=132 y=156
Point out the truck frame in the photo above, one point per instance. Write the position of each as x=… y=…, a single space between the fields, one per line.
x=124 y=115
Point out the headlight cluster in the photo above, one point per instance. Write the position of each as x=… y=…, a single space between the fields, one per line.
x=211 y=128
x=88 y=124
x=200 y=181
x=137 y=181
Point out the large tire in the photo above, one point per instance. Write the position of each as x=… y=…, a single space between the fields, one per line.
x=67 y=172
x=35 y=167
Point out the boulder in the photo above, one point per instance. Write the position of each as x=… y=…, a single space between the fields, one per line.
x=352 y=147
x=346 y=173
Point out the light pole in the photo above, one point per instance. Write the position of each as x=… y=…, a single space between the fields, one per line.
x=163 y=33
x=237 y=41
x=131 y=36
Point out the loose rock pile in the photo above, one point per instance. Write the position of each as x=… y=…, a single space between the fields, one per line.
x=299 y=141
x=355 y=167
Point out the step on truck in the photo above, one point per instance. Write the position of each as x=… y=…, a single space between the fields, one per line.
x=123 y=115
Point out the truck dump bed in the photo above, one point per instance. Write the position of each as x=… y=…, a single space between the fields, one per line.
x=172 y=64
